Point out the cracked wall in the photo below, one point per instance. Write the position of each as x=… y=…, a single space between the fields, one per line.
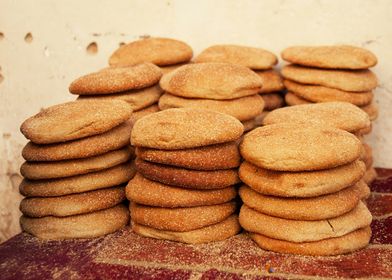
x=45 y=44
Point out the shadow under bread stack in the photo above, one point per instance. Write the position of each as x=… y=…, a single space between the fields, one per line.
x=343 y=115
x=76 y=165
x=259 y=60
x=222 y=87
x=303 y=190
x=166 y=53
x=137 y=85
x=184 y=189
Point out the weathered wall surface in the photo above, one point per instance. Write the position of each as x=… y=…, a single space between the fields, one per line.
x=45 y=44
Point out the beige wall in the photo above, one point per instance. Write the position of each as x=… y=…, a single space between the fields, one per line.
x=36 y=70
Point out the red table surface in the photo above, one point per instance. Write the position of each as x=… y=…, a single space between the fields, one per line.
x=127 y=255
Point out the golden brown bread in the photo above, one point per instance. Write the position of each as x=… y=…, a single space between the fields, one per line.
x=187 y=178
x=253 y=58
x=89 y=225
x=272 y=81
x=216 y=232
x=53 y=125
x=370 y=175
x=219 y=81
x=182 y=218
x=144 y=191
x=327 y=247
x=143 y=112
x=243 y=108
x=110 y=177
x=160 y=51
x=72 y=204
x=184 y=128
x=304 y=231
x=301 y=184
x=212 y=157
x=292 y=99
x=249 y=124
x=371 y=110
x=299 y=147
x=334 y=57
x=272 y=101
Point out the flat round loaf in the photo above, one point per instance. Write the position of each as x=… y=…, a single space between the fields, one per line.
x=253 y=58
x=341 y=115
x=322 y=207
x=89 y=225
x=272 y=81
x=304 y=231
x=367 y=156
x=113 y=139
x=75 y=120
x=144 y=191
x=117 y=79
x=334 y=57
x=370 y=175
x=272 y=101
x=72 y=204
x=293 y=99
x=216 y=232
x=143 y=112
x=110 y=177
x=249 y=125
x=169 y=68
x=219 y=81
x=212 y=157
x=325 y=94
x=184 y=128
x=299 y=147
x=243 y=108
x=181 y=219
x=137 y=99
x=371 y=110
x=347 y=80
x=160 y=51
x=301 y=184
x=67 y=168
x=328 y=247
x=187 y=178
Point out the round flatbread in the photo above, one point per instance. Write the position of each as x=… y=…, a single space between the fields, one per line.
x=327 y=247
x=292 y=99
x=110 y=177
x=220 y=156
x=341 y=115
x=304 y=231
x=89 y=225
x=301 y=184
x=67 y=168
x=272 y=81
x=370 y=175
x=249 y=125
x=244 y=108
x=187 y=178
x=334 y=57
x=367 y=155
x=117 y=79
x=325 y=94
x=72 y=204
x=216 y=232
x=322 y=207
x=184 y=128
x=181 y=219
x=144 y=191
x=169 y=68
x=253 y=58
x=75 y=120
x=297 y=147
x=143 y=112
x=137 y=99
x=272 y=101
x=347 y=80
x=219 y=81
x=113 y=139
x=371 y=110
x=160 y=51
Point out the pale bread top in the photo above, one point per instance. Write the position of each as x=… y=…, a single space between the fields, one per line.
x=160 y=51
x=185 y=128
x=117 y=79
x=334 y=57
x=212 y=81
x=341 y=115
x=254 y=58
x=299 y=147
x=74 y=120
